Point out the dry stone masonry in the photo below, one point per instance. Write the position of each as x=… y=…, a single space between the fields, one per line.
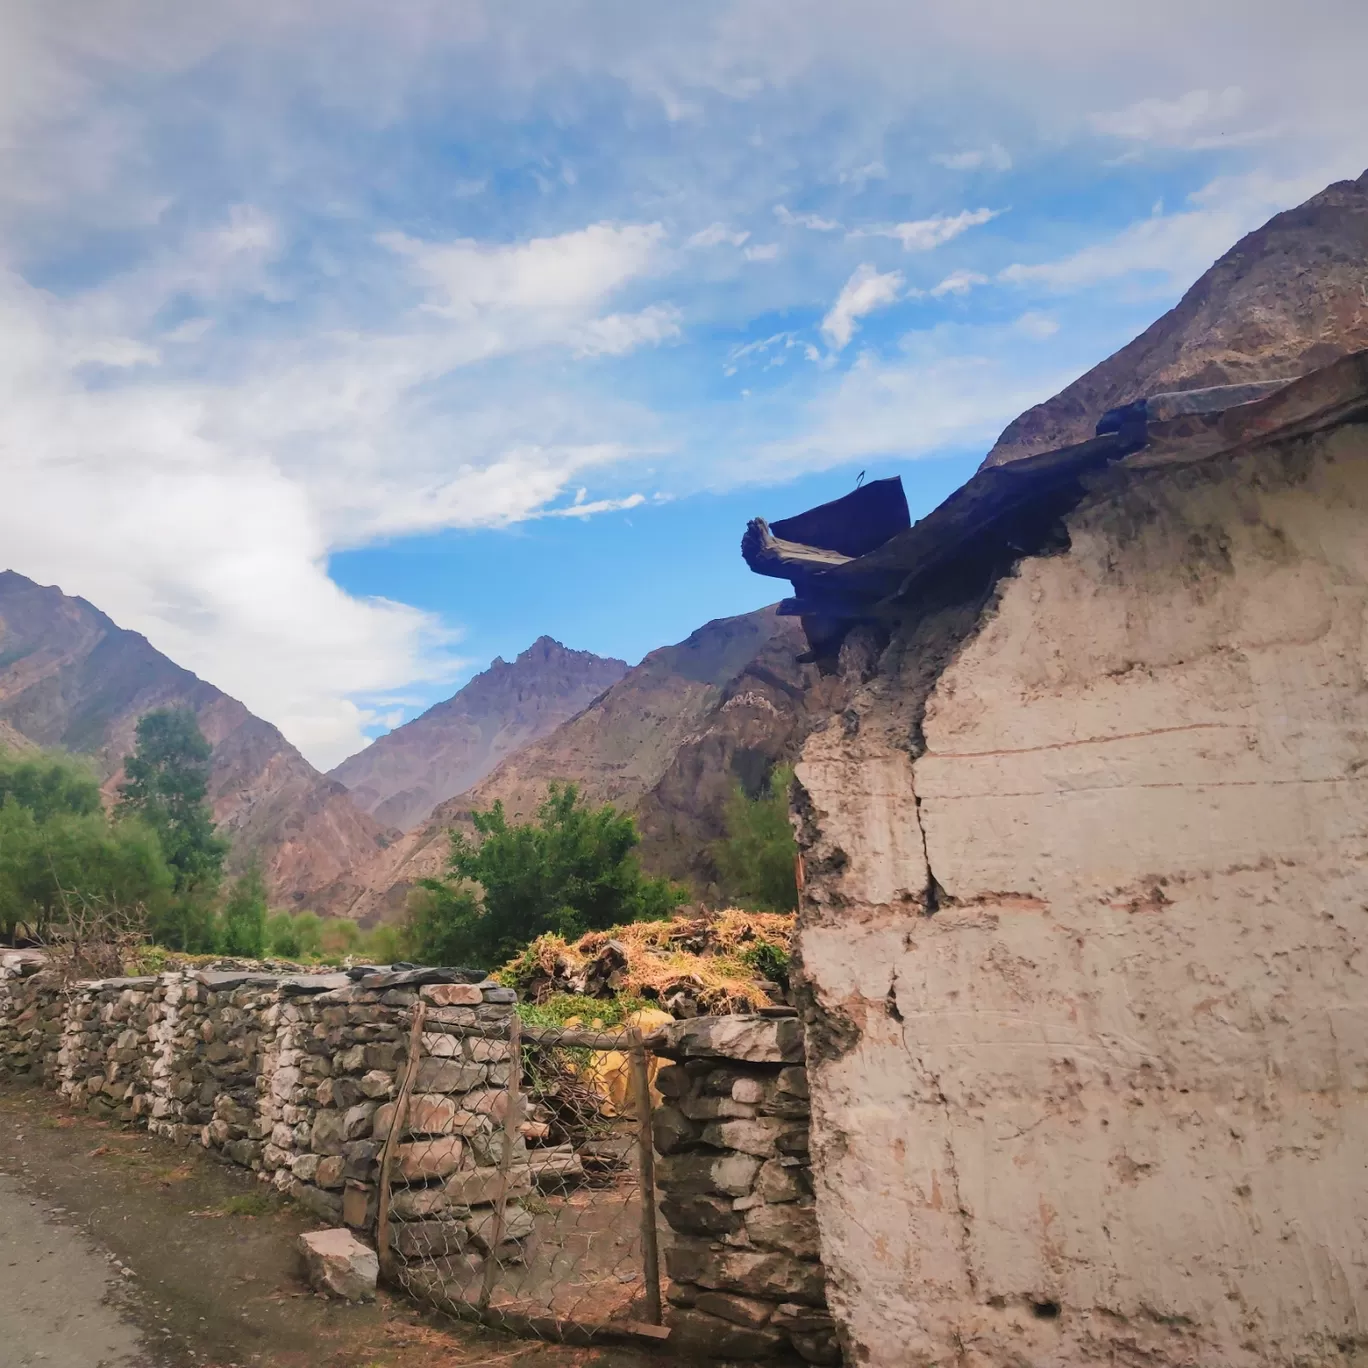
x=735 y=1183
x=287 y=1075
x=296 y=1078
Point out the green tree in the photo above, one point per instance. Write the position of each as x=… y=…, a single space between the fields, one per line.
x=80 y=855
x=572 y=870
x=281 y=939
x=243 y=926
x=757 y=858
x=48 y=785
x=166 y=784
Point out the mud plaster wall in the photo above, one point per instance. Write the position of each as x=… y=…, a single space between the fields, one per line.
x=1088 y=1030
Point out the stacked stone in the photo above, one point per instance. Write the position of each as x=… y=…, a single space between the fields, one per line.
x=32 y=1017
x=446 y=1174
x=204 y=1050
x=105 y=1063
x=735 y=1180
x=334 y=1060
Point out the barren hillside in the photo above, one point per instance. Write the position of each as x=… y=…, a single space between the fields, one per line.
x=1286 y=298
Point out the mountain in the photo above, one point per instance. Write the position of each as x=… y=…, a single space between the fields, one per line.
x=666 y=742
x=400 y=777
x=71 y=678
x=1285 y=299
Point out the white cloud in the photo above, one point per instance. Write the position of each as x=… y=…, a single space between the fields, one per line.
x=1171 y=123
x=1177 y=247
x=1038 y=327
x=813 y=221
x=860 y=176
x=994 y=157
x=202 y=513
x=923 y=235
x=928 y=400
x=572 y=272
x=958 y=283
x=715 y=235
x=584 y=507
x=768 y=251
x=618 y=334
x=865 y=291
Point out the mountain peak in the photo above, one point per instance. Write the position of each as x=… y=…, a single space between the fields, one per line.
x=1286 y=299
x=401 y=776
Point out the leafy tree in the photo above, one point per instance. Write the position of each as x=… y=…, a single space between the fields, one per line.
x=244 y=916
x=281 y=939
x=294 y=937
x=48 y=785
x=339 y=937
x=166 y=784
x=75 y=855
x=572 y=870
x=757 y=859
x=384 y=944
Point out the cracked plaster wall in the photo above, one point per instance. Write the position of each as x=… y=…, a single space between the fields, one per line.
x=1095 y=1092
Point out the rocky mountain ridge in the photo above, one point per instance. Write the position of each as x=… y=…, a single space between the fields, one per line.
x=402 y=776
x=72 y=678
x=1285 y=299
x=667 y=742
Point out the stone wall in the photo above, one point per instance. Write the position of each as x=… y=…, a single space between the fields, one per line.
x=286 y=1075
x=735 y=1186
x=294 y=1078
x=1085 y=945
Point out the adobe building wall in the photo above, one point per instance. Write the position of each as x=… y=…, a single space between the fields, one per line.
x=1085 y=936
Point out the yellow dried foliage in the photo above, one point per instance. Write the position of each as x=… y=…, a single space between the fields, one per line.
x=705 y=954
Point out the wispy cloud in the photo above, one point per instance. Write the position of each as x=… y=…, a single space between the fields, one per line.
x=815 y=222
x=618 y=334
x=958 y=283
x=1186 y=121
x=865 y=291
x=716 y=235
x=1176 y=247
x=924 y=235
x=994 y=157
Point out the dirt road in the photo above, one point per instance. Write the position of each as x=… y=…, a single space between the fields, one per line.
x=118 y=1249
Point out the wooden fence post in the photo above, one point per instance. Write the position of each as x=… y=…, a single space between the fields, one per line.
x=650 y=1248
x=396 y=1133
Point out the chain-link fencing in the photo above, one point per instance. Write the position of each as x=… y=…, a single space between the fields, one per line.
x=516 y=1182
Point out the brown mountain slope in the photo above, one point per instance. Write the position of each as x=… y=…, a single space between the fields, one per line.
x=400 y=777
x=618 y=749
x=1285 y=299
x=70 y=677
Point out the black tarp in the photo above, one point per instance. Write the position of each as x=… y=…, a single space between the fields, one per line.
x=855 y=524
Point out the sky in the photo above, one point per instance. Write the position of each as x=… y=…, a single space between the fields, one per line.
x=345 y=346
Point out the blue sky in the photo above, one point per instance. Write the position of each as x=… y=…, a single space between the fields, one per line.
x=345 y=347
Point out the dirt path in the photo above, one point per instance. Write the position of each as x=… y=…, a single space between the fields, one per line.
x=130 y=1253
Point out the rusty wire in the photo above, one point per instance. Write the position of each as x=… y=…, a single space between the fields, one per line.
x=516 y=1193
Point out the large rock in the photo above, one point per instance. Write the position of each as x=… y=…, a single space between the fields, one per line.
x=698 y=1334
x=429 y=1239
x=747 y=1039
x=479 y=1187
x=731 y=1175
x=751 y=1273
x=790 y=1228
x=436 y=1158
x=449 y=1076
x=339 y=1264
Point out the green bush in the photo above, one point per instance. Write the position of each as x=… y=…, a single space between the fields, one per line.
x=757 y=859
x=244 y=916
x=56 y=843
x=572 y=870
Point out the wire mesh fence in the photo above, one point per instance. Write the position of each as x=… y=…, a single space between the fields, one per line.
x=516 y=1184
